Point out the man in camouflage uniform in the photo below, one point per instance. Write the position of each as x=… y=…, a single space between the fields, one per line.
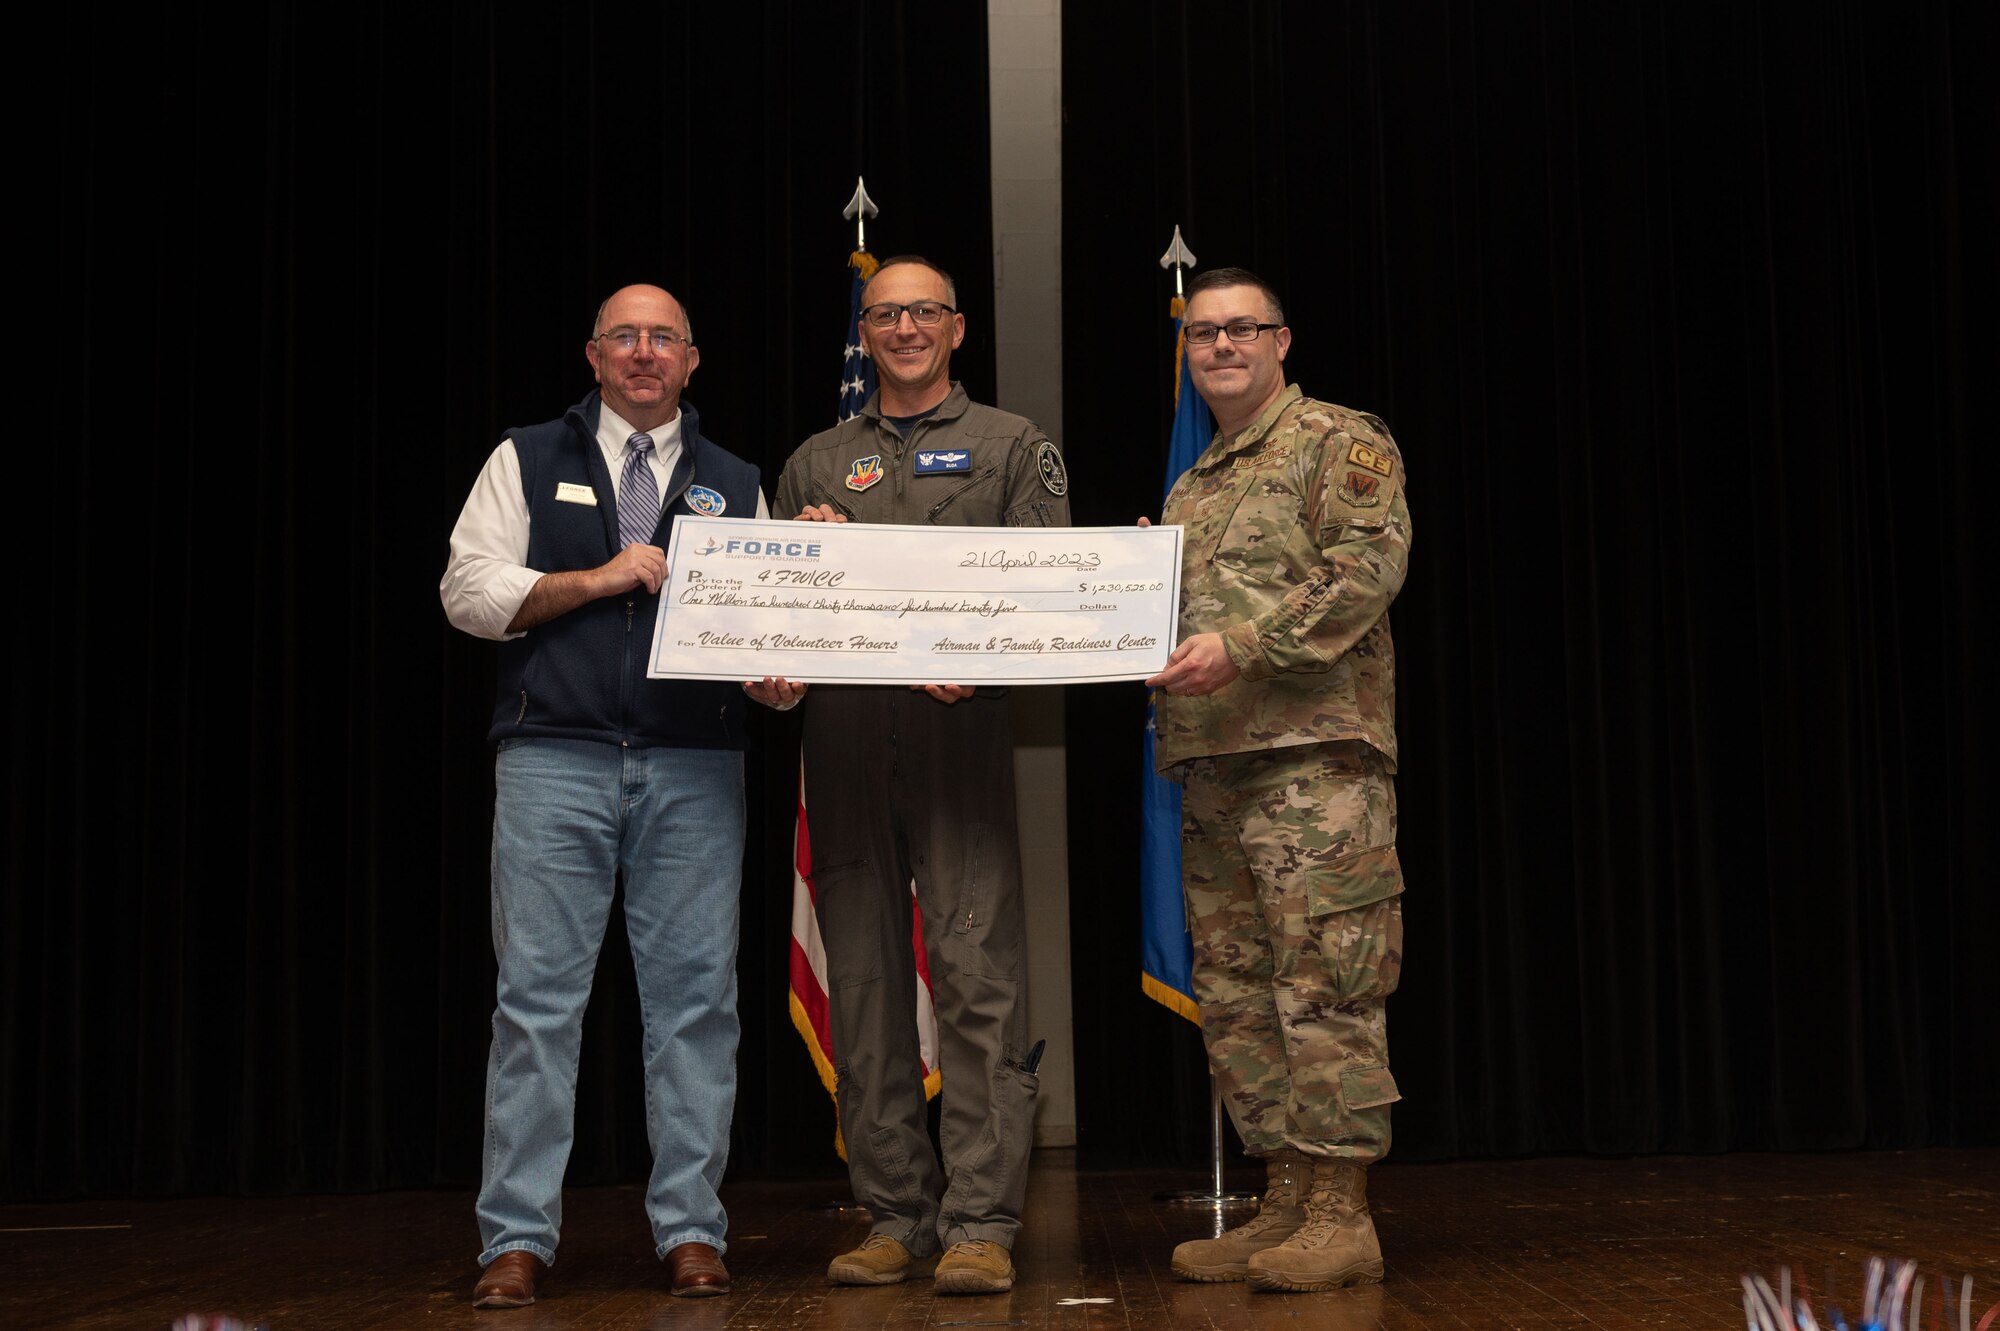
x=1278 y=720
x=918 y=784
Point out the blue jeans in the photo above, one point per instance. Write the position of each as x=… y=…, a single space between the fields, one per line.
x=568 y=815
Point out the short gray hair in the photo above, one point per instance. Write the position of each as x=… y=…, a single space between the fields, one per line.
x=950 y=287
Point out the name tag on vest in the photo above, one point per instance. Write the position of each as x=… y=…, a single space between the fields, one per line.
x=568 y=492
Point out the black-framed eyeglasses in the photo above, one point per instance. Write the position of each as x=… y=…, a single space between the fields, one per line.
x=662 y=340
x=1239 y=330
x=888 y=315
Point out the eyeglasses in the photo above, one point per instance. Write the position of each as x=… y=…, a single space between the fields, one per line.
x=1239 y=330
x=924 y=312
x=663 y=340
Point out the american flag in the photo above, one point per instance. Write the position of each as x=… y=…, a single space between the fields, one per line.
x=857 y=372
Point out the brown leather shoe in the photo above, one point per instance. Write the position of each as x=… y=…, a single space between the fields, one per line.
x=697 y=1271
x=510 y=1281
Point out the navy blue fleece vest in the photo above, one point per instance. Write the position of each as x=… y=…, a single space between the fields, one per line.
x=583 y=675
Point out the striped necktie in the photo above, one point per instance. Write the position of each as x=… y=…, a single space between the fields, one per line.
x=638 y=494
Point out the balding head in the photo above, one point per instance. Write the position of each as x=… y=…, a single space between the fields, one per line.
x=642 y=385
x=598 y=325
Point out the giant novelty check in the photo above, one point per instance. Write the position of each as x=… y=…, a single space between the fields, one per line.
x=856 y=603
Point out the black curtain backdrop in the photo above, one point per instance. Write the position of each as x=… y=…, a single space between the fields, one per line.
x=1675 y=311
x=313 y=262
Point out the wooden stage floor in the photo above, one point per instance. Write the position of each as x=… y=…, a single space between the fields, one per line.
x=1655 y=1242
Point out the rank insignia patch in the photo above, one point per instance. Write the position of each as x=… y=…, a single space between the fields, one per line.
x=1362 y=491
x=709 y=503
x=1363 y=456
x=865 y=472
x=1049 y=462
x=933 y=463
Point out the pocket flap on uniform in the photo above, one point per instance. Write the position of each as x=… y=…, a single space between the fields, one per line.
x=1352 y=881
x=1368 y=1086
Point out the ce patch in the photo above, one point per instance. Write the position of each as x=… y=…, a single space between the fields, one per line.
x=1050 y=464
x=1363 y=456
x=709 y=503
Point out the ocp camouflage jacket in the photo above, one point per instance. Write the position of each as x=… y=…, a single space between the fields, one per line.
x=1297 y=537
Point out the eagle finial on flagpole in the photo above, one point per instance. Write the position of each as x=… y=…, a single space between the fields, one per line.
x=1179 y=258
x=858 y=210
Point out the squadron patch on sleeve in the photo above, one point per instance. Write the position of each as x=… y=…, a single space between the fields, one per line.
x=1363 y=456
x=709 y=503
x=1360 y=490
x=1049 y=462
x=865 y=472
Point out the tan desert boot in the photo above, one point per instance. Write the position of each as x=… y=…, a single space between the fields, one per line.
x=880 y=1260
x=1336 y=1246
x=975 y=1266
x=1227 y=1256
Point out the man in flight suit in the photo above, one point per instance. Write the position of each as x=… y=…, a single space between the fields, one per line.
x=917 y=784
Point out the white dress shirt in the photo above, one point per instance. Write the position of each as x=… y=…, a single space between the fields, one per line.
x=487 y=577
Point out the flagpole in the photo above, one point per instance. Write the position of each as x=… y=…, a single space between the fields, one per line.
x=1180 y=258
x=855 y=386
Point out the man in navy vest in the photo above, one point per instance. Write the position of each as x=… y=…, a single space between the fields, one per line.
x=559 y=556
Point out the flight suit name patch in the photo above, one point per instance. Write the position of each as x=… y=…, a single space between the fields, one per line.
x=930 y=463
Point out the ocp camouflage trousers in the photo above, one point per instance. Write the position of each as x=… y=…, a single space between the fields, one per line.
x=1293 y=887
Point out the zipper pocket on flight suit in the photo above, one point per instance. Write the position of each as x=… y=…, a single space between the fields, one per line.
x=972 y=890
x=821 y=495
x=973 y=482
